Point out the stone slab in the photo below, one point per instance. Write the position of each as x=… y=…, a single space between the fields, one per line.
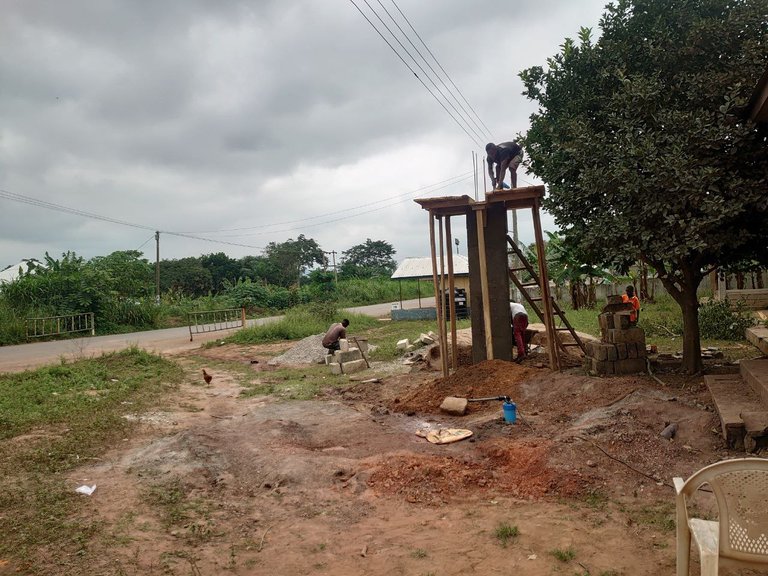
x=755 y=373
x=758 y=336
x=732 y=397
x=454 y=406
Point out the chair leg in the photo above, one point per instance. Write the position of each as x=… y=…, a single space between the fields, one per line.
x=709 y=564
x=683 y=550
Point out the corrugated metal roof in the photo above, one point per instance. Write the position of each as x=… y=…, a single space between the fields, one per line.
x=422 y=267
x=11 y=273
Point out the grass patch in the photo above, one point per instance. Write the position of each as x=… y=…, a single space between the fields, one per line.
x=419 y=553
x=67 y=415
x=293 y=383
x=504 y=533
x=301 y=322
x=563 y=555
x=660 y=516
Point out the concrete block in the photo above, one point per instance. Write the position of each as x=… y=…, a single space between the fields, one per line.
x=621 y=320
x=348 y=356
x=410 y=348
x=354 y=366
x=602 y=367
x=621 y=351
x=426 y=339
x=328 y=359
x=612 y=354
x=602 y=352
x=335 y=368
x=641 y=351
x=630 y=366
x=591 y=348
x=402 y=344
x=455 y=406
x=631 y=350
x=631 y=335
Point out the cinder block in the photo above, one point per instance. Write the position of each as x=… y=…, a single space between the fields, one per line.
x=348 y=356
x=328 y=359
x=641 y=351
x=630 y=335
x=410 y=348
x=602 y=352
x=630 y=366
x=631 y=350
x=602 y=367
x=612 y=352
x=621 y=351
x=621 y=320
x=426 y=339
x=354 y=366
x=402 y=344
x=335 y=368
x=454 y=405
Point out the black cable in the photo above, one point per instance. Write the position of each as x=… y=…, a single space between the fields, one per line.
x=414 y=73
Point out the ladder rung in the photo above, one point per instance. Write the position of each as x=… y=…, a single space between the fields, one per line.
x=518 y=269
x=527 y=284
x=537 y=299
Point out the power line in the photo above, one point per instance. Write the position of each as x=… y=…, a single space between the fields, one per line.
x=487 y=130
x=67 y=210
x=412 y=70
x=467 y=177
x=448 y=182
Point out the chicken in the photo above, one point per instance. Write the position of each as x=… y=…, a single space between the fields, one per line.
x=207 y=377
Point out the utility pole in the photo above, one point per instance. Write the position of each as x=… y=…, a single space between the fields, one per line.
x=157 y=267
x=335 y=273
x=456 y=241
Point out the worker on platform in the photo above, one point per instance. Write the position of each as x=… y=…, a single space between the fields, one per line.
x=336 y=332
x=519 y=319
x=629 y=296
x=503 y=156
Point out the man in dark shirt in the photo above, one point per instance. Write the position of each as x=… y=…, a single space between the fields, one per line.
x=505 y=155
x=335 y=332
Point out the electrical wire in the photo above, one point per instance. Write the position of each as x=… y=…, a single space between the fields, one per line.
x=466 y=115
x=448 y=182
x=414 y=73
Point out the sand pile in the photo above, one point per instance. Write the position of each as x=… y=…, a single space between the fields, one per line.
x=306 y=351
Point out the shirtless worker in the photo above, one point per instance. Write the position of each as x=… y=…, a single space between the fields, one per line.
x=334 y=334
x=504 y=155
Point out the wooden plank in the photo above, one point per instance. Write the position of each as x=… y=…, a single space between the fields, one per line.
x=451 y=289
x=438 y=306
x=549 y=323
x=441 y=318
x=480 y=216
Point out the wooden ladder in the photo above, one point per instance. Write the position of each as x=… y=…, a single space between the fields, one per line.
x=532 y=301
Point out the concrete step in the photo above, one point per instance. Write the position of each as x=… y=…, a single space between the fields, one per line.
x=755 y=373
x=758 y=335
x=732 y=396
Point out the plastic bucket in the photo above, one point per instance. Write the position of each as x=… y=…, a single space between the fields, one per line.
x=510 y=412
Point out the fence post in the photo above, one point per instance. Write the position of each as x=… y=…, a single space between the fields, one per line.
x=242 y=316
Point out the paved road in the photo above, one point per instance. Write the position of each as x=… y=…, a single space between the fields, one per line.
x=167 y=341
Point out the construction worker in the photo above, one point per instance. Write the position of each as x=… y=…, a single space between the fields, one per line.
x=334 y=334
x=519 y=319
x=505 y=155
x=629 y=296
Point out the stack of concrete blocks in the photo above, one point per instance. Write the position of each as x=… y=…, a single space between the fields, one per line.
x=622 y=346
x=347 y=360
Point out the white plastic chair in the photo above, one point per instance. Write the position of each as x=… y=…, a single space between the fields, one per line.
x=740 y=537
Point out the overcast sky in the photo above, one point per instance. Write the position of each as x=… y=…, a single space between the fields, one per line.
x=252 y=122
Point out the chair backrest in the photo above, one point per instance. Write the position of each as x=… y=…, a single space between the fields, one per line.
x=741 y=490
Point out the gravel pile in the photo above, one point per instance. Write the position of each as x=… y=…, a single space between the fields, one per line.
x=307 y=351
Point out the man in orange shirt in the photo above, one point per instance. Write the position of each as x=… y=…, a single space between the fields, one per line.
x=630 y=297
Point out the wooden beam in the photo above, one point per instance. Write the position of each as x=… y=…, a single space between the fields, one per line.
x=444 y=357
x=480 y=216
x=435 y=282
x=549 y=324
x=451 y=289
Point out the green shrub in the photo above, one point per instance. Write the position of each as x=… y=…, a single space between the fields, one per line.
x=719 y=320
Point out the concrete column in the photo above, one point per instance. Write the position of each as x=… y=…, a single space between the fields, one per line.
x=475 y=290
x=498 y=280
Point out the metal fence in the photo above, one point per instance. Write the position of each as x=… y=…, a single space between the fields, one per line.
x=215 y=320
x=57 y=325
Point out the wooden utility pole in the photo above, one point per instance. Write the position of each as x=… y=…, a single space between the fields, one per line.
x=157 y=267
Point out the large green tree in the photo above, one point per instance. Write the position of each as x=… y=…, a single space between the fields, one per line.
x=370 y=259
x=288 y=261
x=643 y=140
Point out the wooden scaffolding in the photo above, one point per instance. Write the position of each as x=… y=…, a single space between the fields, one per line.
x=489 y=273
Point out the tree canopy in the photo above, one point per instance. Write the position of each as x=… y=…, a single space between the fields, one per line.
x=370 y=259
x=644 y=143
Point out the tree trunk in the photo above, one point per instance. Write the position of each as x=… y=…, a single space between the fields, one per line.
x=644 y=296
x=574 y=295
x=683 y=289
x=739 y=281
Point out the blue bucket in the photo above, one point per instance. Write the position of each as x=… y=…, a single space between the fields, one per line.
x=510 y=412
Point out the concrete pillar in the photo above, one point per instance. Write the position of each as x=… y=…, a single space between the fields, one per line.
x=498 y=279
x=475 y=290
